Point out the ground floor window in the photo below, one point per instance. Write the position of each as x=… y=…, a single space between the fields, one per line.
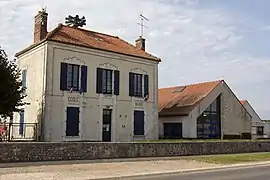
x=208 y=123
x=259 y=130
x=172 y=130
x=72 y=121
x=138 y=123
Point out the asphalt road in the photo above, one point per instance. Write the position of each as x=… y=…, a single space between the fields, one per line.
x=248 y=173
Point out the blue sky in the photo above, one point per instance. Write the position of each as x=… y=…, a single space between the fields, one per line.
x=198 y=40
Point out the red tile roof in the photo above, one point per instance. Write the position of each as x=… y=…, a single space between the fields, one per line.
x=96 y=40
x=186 y=97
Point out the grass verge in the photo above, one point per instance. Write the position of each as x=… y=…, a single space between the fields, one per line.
x=231 y=158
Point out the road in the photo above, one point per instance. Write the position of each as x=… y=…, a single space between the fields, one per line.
x=248 y=173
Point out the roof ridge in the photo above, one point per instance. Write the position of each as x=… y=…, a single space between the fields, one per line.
x=206 y=82
x=81 y=29
x=63 y=34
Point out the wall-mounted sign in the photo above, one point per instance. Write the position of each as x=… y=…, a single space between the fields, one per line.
x=73 y=99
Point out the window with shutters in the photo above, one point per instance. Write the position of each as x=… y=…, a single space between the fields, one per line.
x=138 y=85
x=138 y=123
x=73 y=77
x=107 y=81
x=70 y=77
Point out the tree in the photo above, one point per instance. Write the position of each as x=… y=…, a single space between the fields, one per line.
x=11 y=89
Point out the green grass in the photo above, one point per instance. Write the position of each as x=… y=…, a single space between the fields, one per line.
x=199 y=140
x=231 y=158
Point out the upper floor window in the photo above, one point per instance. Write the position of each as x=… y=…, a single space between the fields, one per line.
x=69 y=77
x=73 y=77
x=24 y=78
x=138 y=85
x=107 y=81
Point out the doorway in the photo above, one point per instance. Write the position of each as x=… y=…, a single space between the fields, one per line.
x=72 y=122
x=106 y=125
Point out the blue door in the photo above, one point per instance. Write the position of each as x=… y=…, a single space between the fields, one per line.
x=72 y=122
x=138 y=123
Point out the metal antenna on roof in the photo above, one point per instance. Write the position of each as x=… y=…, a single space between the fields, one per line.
x=142 y=18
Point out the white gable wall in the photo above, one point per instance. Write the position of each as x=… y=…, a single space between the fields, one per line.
x=34 y=62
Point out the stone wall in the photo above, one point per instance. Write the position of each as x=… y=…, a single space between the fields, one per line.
x=26 y=152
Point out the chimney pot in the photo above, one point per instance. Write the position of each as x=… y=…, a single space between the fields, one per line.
x=40 y=27
x=140 y=43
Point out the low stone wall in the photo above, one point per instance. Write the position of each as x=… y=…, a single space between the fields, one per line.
x=37 y=151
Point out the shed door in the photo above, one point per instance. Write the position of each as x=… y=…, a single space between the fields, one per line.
x=173 y=130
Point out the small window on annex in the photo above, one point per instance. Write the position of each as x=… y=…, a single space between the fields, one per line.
x=208 y=123
x=260 y=130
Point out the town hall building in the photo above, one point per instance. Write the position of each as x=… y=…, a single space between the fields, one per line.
x=83 y=85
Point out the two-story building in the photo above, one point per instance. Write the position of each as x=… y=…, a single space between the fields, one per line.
x=87 y=86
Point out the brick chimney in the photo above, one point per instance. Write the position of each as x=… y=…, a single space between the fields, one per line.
x=140 y=43
x=40 y=28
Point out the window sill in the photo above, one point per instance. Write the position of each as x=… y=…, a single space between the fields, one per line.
x=138 y=135
x=73 y=91
x=107 y=94
x=137 y=97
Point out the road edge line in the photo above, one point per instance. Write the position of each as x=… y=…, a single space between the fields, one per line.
x=197 y=170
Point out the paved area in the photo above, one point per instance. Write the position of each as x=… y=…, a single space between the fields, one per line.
x=86 y=171
x=247 y=173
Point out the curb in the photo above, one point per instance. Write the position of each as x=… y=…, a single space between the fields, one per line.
x=208 y=169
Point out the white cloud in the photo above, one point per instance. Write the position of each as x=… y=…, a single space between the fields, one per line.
x=195 y=43
x=265 y=28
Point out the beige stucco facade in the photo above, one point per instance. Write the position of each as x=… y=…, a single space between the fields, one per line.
x=43 y=82
x=235 y=120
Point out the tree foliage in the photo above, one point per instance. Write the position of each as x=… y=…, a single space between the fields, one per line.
x=11 y=89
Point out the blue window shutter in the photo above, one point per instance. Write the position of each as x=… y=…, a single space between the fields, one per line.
x=84 y=78
x=131 y=84
x=99 y=81
x=116 y=82
x=24 y=78
x=21 y=127
x=146 y=85
x=63 y=76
